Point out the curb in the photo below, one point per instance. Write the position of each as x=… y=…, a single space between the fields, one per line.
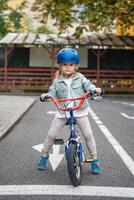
x=17 y=117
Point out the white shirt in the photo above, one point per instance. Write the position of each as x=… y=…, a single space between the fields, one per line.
x=76 y=113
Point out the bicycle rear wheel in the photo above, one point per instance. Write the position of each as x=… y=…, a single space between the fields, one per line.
x=74 y=165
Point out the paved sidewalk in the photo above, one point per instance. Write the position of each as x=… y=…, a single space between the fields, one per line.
x=11 y=109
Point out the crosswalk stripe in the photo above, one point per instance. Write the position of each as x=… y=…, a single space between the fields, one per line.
x=66 y=190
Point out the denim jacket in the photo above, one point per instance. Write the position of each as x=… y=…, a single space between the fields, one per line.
x=79 y=85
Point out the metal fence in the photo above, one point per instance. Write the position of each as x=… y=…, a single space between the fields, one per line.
x=41 y=78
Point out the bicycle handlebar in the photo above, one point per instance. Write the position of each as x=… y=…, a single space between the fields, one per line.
x=81 y=101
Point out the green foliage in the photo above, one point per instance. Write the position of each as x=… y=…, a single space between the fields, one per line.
x=8 y=15
x=2 y=5
x=92 y=15
x=44 y=29
x=3 y=27
x=15 y=17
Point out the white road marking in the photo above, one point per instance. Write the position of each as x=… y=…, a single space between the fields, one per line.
x=54 y=158
x=67 y=190
x=127 y=116
x=95 y=118
x=118 y=148
x=125 y=103
x=51 y=112
x=98 y=122
x=38 y=147
x=120 y=102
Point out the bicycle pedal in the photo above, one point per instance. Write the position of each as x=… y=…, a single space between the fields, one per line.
x=58 y=141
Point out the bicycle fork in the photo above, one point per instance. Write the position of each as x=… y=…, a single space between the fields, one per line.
x=74 y=140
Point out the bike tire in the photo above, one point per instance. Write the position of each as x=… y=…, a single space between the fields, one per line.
x=74 y=165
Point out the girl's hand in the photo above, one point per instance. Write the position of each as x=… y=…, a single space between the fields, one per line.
x=44 y=97
x=98 y=90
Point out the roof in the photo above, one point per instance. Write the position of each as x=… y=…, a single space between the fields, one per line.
x=31 y=39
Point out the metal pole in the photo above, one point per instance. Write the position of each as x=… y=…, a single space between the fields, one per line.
x=98 y=67
x=52 y=54
x=53 y=62
x=98 y=55
x=5 y=67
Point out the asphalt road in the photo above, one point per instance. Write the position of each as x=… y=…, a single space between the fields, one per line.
x=112 y=121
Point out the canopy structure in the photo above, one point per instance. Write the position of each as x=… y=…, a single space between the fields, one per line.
x=97 y=43
x=91 y=40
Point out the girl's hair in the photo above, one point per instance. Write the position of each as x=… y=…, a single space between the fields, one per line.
x=57 y=74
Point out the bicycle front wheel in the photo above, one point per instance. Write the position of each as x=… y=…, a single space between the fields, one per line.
x=74 y=165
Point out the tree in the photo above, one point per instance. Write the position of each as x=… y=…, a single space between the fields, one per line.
x=3 y=27
x=44 y=29
x=9 y=17
x=89 y=15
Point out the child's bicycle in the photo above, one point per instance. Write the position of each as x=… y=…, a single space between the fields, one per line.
x=73 y=146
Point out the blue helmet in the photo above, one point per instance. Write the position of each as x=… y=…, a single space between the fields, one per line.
x=68 y=55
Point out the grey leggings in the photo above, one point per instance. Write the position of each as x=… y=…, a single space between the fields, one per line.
x=85 y=128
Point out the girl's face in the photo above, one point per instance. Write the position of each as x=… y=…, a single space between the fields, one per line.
x=68 y=68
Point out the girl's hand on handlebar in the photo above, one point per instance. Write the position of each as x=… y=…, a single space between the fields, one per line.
x=98 y=90
x=97 y=93
x=44 y=97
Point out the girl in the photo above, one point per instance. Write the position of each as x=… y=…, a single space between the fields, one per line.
x=69 y=83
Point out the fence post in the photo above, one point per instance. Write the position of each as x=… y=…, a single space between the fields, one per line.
x=53 y=57
x=5 y=68
x=52 y=54
x=98 y=67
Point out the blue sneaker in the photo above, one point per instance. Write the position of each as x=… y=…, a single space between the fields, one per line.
x=42 y=164
x=95 y=167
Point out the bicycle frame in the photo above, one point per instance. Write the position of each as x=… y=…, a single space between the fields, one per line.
x=71 y=121
x=74 y=137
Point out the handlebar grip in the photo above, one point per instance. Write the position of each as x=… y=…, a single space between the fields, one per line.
x=102 y=92
x=45 y=98
x=92 y=92
x=41 y=99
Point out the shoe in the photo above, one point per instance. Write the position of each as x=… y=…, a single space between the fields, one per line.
x=95 y=167
x=42 y=164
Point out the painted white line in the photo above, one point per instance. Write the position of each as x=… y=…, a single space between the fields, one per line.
x=125 y=103
x=98 y=122
x=118 y=148
x=38 y=147
x=51 y=112
x=92 y=113
x=66 y=190
x=55 y=158
x=120 y=102
x=127 y=116
x=96 y=118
